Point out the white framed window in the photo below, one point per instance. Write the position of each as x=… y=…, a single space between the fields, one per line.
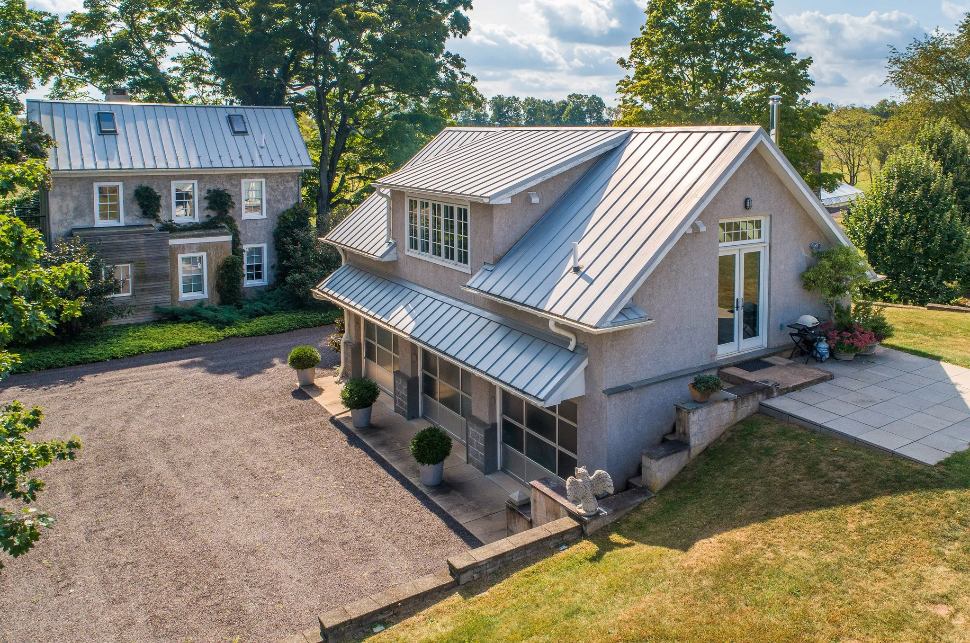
x=109 y=204
x=253 y=199
x=185 y=201
x=254 y=265
x=193 y=277
x=438 y=232
x=122 y=274
x=733 y=232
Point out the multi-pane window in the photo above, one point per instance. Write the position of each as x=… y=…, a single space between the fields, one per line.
x=438 y=230
x=380 y=346
x=254 y=203
x=547 y=437
x=255 y=265
x=447 y=384
x=740 y=231
x=192 y=277
x=108 y=204
x=184 y=201
x=121 y=273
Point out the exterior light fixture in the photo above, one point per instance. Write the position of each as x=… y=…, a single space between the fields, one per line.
x=748 y=203
x=815 y=246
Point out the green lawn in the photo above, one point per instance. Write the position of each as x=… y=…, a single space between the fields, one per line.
x=112 y=342
x=931 y=333
x=774 y=534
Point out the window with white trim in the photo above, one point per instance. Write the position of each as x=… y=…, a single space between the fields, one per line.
x=185 y=201
x=254 y=265
x=253 y=199
x=193 y=280
x=735 y=231
x=121 y=273
x=109 y=206
x=438 y=231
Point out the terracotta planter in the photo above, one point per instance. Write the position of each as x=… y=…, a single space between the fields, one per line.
x=431 y=474
x=698 y=396
x=361 y=417
x=306 y=376
x=843 y=357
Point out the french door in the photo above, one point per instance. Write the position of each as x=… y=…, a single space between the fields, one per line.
x=741 y=318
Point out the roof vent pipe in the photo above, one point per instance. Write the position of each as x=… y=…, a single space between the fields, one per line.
x=776 y=118
x=575 y=259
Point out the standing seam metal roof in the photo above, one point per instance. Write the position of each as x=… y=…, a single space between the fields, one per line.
x=169 y=137
x=496 y=348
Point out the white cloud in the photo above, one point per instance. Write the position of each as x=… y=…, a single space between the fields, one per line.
x=490 y=47
x=603 y=22
x=849 y=52
x=57 y=6
x=954 y=10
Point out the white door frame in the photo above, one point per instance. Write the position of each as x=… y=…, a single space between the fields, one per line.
x=738 y=250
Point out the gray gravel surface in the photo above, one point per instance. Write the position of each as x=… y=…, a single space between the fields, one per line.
x=212 y=500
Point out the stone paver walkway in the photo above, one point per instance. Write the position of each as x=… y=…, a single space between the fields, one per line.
x=915 y=407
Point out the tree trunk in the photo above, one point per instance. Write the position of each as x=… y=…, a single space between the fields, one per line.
x=323 y=201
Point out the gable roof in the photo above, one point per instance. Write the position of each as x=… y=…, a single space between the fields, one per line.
x=625 y=214
x=168 y=137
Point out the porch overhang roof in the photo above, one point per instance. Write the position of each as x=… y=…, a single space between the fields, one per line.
x=522 y=360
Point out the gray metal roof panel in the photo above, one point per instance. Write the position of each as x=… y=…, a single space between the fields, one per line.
x=841 y=195
x=522 y=360
x=623 y=213
x=169 y=137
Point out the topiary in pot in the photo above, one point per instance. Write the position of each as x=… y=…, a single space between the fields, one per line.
x=430 y=447
x=304 y=360
x=359 y=395
x=704 y=386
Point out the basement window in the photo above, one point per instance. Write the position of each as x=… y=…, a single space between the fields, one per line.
x=106 y=123
x=237 y=124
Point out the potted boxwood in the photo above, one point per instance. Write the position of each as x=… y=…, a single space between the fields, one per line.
x=359 y=395
x=430 y=447
x=704 y=386
x=304 y=360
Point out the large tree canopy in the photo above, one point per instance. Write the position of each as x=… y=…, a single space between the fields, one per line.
x=32 y=49
x=719 y=61
x=575 y=109
x=848 y=136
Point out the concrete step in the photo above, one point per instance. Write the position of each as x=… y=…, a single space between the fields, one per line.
x=636 y=483
x=665 y=449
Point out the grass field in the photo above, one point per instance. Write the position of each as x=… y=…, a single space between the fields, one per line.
x=113 y=342
x=931 y=333
x=774 y=534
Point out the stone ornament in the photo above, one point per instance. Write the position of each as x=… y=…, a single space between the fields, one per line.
x=583 y=489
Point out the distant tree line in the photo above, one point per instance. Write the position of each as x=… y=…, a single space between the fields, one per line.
x=575 y=109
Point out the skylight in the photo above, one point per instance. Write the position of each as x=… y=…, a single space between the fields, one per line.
x=237 y=124
x=106 y=123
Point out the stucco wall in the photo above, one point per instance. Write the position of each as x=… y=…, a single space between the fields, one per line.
x=215 y=253
x=71 y=202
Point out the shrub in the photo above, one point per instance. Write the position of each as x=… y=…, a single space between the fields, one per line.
x=910 y=228
x=708 y=383
x=430 y=446
x=229 y=280
x=303 y=357
x=220 y=202
x=219 y=316
x=335 y=342
x=944 y=142
x=838 y=273
x=872 y=319
x=97 y=306
x=302 y=260
x=850 y=341
x=359 y=393
x=149 y=202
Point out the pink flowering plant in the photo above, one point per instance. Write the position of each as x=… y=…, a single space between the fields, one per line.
x=851 y=340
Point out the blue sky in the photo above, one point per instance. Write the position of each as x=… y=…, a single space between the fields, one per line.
x=550 y=48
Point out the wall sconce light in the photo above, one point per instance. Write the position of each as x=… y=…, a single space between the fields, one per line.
x=815 y=246
x=748 y=203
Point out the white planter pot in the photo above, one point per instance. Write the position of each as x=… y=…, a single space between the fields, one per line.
x=306 y=376
x=870 y=349
x=431 y=474
x=361 y=417
x=844 y=357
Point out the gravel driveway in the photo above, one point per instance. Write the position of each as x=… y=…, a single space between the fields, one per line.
x=212 y=500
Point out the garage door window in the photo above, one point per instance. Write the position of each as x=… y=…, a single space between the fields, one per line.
x=532 y=435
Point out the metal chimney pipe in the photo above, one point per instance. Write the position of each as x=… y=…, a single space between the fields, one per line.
x=776 y=118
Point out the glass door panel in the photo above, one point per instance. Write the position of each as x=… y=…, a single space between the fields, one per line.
x=751 y=295
x=727 y=280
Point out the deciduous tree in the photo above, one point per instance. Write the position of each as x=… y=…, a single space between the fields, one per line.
x=848 y=136
x=949 y=146
x=32 y=50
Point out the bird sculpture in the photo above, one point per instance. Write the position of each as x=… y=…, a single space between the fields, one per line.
x=583 y=489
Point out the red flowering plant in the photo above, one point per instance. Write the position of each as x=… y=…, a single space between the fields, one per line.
x=851 y=340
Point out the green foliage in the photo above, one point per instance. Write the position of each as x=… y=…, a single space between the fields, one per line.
x=149 y=202
x=838 y=274
x=909 y=227
x=305 y=356
x=23 y=155
x=19 y=458
x=575 y=109
x=707 y=383
x=848 y=135
x=719 y=61
x=268 y=302
x=114 y=342
x=220 y=202
x=302 y=260
x=97 y=305
x=359 y=393
x=229 y=281
x=430 y=445
x=949 y=146
x=872 y=318
x=33 y=50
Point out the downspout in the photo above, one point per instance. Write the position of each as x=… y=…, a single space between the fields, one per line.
x=559 y=330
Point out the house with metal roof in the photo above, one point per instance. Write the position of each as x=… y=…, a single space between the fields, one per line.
x=105 y=152
x=546 y=294
x=841 y=198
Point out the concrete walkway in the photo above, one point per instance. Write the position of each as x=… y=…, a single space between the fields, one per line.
x=912 y=406
x=473 y=499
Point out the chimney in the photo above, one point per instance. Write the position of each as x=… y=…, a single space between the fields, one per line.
x=117 y=95
x=776 y=118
